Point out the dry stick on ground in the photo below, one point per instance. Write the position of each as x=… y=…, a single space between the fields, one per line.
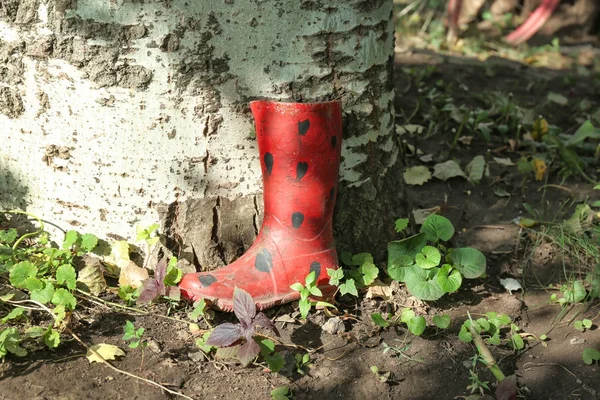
x=94 y=352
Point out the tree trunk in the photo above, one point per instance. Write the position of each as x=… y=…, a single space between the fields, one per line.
x=116 y=113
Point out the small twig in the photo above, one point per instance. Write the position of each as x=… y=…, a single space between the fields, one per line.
x=554 y=186
x=137 y=310
x=295 y=346
x=343 y=354
x=94 y=352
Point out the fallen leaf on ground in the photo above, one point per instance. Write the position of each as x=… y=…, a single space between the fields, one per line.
x=539 y=167
x=132 y=275
x=466 y=140
x=421 y=215
x=410 y=129
x=92 y=276
x=417 y=175
x=446 y=170
x=107 y=351
x=500 y=192
x=504 y=161
x=511 y=284
x=379 y=290
x=557 y=98
x=475 y=169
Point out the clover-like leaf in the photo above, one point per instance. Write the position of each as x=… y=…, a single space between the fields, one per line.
x=43 y=295
x=369 y=272
x=379 y=321
x=51 y=338
x=590 y=355
x=20 y=272
x=449 y=281
x=65 y=274
x=225 y=335
x=441 y=321
x=437 y=227
x=88 y=242
x=423 y=284
x=62 y=297
x=469 y=261
x=428 y=258
x=407 y=315
x=401 y=224
x=417 y=325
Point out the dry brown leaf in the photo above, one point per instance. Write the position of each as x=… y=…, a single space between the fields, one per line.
x=133 y=275
x=379 y=290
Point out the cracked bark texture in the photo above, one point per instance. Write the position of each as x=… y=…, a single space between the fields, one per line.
x=119 y=112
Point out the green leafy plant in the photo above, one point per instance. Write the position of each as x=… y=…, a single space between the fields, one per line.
x=590 y=355
x=416 y=261
x=489 y=327
x=582 y=325
x=309 y=289
x=477 y=385
x=134 y=336
x=302 y=362
x=281 y=393
x=10 y=342
x=274 y=359
x=415 y=324
x=361 y=273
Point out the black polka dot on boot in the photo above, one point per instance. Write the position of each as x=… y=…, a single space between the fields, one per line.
x=207 y=280
x=264 y=261
x=303 y=127
x=268 y=162
x=301 y=169
x=315 y=266
x=297 y=219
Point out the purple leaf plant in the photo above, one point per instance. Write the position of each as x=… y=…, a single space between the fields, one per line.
x=228 y=334
x=155 y=286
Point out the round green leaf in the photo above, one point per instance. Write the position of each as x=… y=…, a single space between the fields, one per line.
x=407 y=315
x=62 y=297
x=517 y=341
x=65 y=274
x=590 y=355
x=20 y=272
x=422 y=283
x=441 y=321
x=464 y=335
x=401 y=224
x=43 y=295
x=469 y=261
x=416 y=325
x=397 y=269
x=449 y=282
x=437 y=228
x=428 y=258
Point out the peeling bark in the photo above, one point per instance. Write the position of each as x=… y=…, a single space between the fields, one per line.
x=151 y=100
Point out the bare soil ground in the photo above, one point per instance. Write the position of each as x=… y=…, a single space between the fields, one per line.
x=436 y=364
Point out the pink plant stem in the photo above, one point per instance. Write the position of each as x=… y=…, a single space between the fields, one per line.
x=533 y=24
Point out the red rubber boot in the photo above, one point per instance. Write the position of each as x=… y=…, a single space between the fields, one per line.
x=299 y=146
